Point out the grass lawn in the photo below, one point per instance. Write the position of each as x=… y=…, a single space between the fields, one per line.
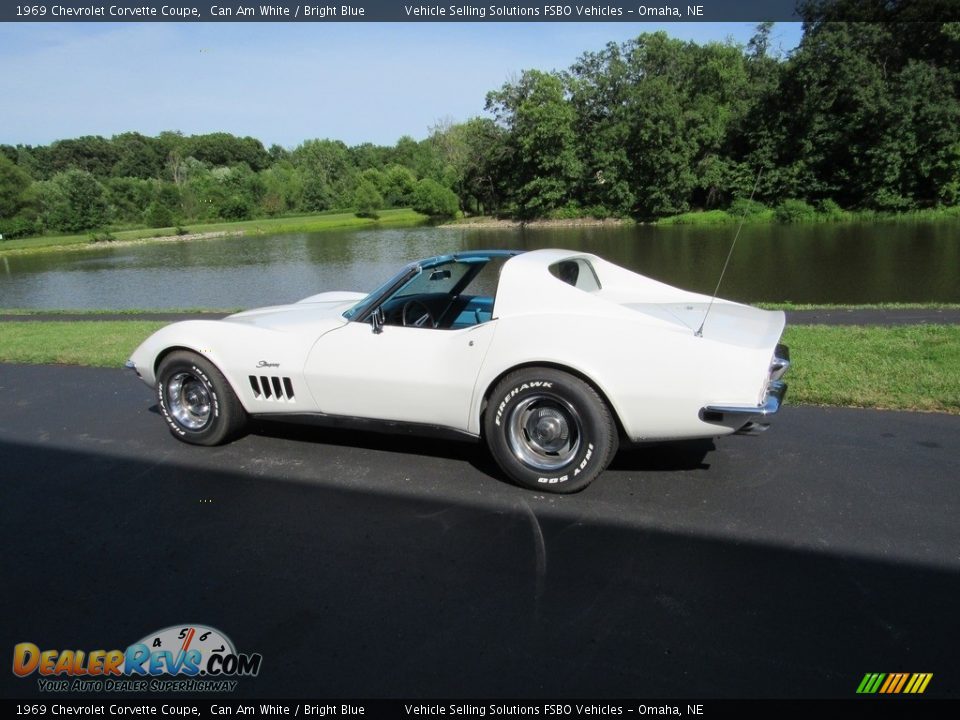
x=95 y=343
x=912 y=367
x=768 y=215
x=870 y=306
x=278 y=225
x=906 y=367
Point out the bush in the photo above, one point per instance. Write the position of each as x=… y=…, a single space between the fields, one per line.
x=102 y=236
x=432 y=198
x=794 y=211
x=889 y=201
x=570 y=211
x=745 y=208
x=830 y=210
x=72 y=201
x=236 y=207
x=18 y=227
x=599 y=212
x=367 y=200
x=158 y=216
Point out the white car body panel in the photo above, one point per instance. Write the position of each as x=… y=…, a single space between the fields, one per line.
x=632 y=337
x=406 y=374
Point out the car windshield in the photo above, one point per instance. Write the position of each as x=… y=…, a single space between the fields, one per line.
x=439 y=283
x=396 y=281
x=439 y=279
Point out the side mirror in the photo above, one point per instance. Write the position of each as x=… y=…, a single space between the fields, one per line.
x=376 y=321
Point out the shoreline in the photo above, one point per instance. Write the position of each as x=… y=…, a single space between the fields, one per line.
x=100 y=245
x=211 y=231
x=503 y=224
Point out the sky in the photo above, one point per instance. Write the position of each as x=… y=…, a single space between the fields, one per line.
x=284 y=83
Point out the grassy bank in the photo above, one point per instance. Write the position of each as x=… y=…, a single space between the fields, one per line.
x=909 y=367
x=95 y=343
x=267 y=226
x=28 y=312
x=906 y=367
x=759 y=214
x=866 y=306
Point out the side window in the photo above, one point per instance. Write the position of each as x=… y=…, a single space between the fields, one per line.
x=486 y=281
x=579 y=273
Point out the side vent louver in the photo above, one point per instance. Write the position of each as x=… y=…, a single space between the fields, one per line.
x=272 y=388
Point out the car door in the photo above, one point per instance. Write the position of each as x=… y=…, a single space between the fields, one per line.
x=409 y=374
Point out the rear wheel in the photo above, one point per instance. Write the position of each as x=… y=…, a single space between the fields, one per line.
x=549 y=430
x=196 y=400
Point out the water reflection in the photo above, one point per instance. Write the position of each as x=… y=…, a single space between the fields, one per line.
x=904 y=262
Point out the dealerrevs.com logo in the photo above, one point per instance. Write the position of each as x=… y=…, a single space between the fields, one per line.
x=180 y=658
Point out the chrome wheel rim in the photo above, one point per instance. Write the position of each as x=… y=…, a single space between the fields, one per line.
x=544 y=432
x=188 y=398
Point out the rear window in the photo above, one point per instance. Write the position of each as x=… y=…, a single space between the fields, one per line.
x=579 y=273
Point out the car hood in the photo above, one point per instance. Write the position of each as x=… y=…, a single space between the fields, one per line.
x=317 y=313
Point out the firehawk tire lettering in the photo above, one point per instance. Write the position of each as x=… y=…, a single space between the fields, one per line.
x=587 y=422
x=161 y=396
x=515 y=392
x=227 y=416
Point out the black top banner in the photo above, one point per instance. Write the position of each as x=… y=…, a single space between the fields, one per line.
x=359 y=709
x=470 y=11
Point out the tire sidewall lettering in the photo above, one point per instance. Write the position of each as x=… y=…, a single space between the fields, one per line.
x=211 y=389
x=515 y=392
x=579 y=464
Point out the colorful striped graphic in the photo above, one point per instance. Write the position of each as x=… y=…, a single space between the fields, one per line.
x=894 y=683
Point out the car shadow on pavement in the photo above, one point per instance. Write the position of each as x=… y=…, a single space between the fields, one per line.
x=353 y=589
x=659 y=457
x=664 y=457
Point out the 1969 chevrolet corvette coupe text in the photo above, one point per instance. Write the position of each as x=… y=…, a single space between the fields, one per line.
x=551 y=356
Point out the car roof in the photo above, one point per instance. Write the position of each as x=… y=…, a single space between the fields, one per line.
x=468 y=256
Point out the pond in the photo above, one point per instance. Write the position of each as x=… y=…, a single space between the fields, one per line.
x=823 y=263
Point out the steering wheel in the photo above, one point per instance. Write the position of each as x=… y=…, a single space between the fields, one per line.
x=422 y=319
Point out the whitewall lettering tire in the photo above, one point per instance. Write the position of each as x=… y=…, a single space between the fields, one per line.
x=549 y=430
x=196 y=401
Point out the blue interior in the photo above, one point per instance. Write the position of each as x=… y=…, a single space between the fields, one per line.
x=478 y=309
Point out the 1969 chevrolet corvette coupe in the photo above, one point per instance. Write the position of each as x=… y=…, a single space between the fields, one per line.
x=552 y=357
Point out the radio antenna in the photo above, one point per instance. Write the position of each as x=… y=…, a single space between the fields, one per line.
x=716 y=290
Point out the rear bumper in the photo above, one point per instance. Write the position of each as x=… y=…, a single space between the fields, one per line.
x=750 y=419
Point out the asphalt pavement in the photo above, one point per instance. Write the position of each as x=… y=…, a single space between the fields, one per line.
x=786 y=564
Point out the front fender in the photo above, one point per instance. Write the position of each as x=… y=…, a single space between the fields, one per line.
x=236 y=349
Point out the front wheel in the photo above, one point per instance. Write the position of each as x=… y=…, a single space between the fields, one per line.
x=196 y=400
x=549 y=430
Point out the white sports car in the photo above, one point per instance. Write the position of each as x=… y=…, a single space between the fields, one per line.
x=552 y=357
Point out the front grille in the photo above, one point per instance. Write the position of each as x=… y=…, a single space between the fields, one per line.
x=271 y=387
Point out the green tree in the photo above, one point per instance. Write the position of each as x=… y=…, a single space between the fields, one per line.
x=91 y=153
x=13 y=184
x=157 y=215
x=327 y=174
x=539 y=118
x=137 y=156
x=367 y=200
x=73 y=201
x=432 y=198
x=127 y=197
